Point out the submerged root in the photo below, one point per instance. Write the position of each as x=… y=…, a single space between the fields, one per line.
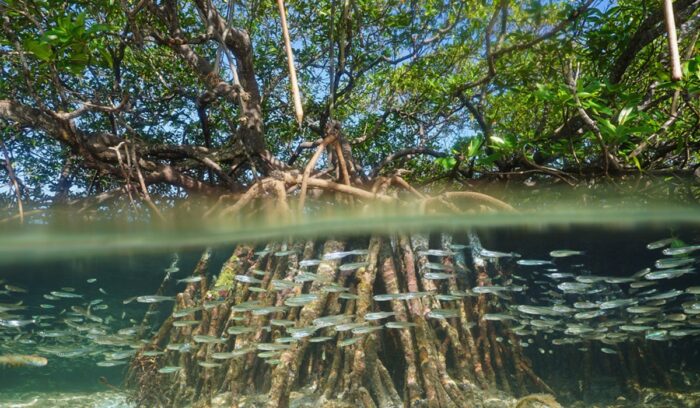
x=433 y=362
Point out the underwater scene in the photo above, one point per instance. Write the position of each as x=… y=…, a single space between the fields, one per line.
x=525 y=315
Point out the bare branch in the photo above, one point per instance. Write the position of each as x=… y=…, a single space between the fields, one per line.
x=403 y=153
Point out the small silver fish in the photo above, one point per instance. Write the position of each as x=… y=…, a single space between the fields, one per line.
x=66 y=295
x=533 y=262
x=681 y=250
x=15 y=289
x=563 y=253
x=154 y=299
x=495 y=254
x=668 y=263
x=660 y=243
x=190 y=279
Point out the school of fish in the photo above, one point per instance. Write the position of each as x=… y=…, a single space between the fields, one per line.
x=554 y=299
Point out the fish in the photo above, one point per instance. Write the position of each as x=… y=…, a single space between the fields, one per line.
x=660 y=243
x=286 y=340
x=657 y=335
x=247 y=279
x=190 y=279
x=204 y=338
x=607 y=350
x=184 y=323
x=559 y=275
x=110 y=363
x=285 y=253
x=348 y=326
x=246 y=306
x=635 y=328
x=333 y=288
x=311 y=277
x=301 y=332
x=589 y=314
x=668 y=273
x=613 y=304
x=66 y=295
x=617 y=280
x=537 y=310
x=399 y=325
x=272 y=346
x=169 y=369
x=91 y=280
x=29 y=360
x=332 y=320
x=435 y=252
x=640 y=285
x=224 y=355
x=186 y=311
x=283 y=284
x=15 y=289
x=574 y=287
x=436 y=266
x=378 y=315
x=673 y=293
x=154 y=299
x=172 y=269
x=365 y=329
x=643 y=309
x=443 y=313
x=236 y=330
x=680 y=250
x=301 y=300
x=448 y=298
x=495 y=254
x=16 y=322
x=563 y=253
x=668 y=263
x=281 y=322
x=586 y=305
x=268 y=310
x=533 y=262
x=320 y=339
x=437 y=275
x=309 y=262
x=334 y=256
x=352 y=266
x=500 y=317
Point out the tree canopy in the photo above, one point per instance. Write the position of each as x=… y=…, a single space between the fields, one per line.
x=116 y=100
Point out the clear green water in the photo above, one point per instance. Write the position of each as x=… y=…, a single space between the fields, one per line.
x=130 y=262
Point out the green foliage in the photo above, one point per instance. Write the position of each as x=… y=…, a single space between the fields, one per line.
x=405 y=75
